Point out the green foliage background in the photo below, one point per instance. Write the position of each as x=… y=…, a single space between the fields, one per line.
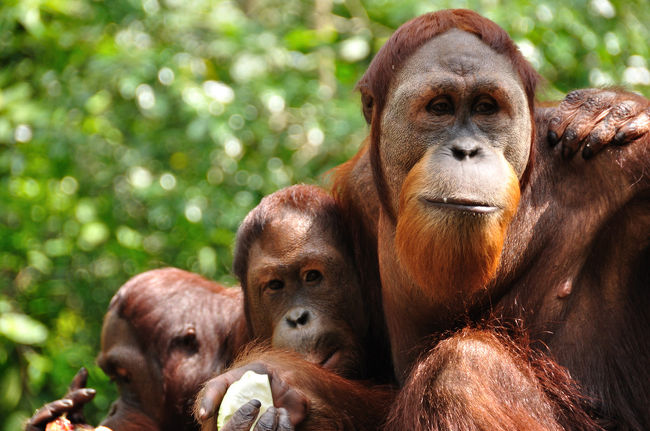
x=136 y=134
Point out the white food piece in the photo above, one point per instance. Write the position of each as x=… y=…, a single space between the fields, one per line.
x=250 y=386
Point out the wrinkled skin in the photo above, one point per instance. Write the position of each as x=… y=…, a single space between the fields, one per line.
x=466 y=124
x=273 y=419
x=588 y=120
x=71 y=404
x=290 y=403
x=323 y=401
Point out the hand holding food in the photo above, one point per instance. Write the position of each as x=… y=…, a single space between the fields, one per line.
x=250 y=386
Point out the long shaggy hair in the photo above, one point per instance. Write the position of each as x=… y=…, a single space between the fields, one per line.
x=482 y=379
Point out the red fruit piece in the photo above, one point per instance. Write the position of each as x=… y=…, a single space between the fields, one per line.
x=60 y=424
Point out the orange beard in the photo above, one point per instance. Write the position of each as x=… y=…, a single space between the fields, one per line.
x=450 y=255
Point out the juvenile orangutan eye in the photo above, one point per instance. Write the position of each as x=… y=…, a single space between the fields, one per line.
x=440 y=106
x=312 y=276
x=186 y=342
x=275 y=284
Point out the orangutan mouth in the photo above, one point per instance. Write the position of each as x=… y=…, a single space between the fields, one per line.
x=462 y=205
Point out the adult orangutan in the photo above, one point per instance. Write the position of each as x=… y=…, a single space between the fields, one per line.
x=474 y=221
x=302 y=294
x=166 y=331
x=465 y=227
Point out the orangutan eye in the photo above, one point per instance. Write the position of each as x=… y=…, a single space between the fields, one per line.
x=122 y=375
x=312 y=276
x=275 y=284
x=441 y=106
x=485 y=106
x=115 y=372
x=186 y=342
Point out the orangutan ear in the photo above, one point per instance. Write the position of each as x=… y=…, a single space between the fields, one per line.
x=367 y=103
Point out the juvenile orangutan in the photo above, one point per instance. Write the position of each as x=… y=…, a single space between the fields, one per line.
x=302 y=294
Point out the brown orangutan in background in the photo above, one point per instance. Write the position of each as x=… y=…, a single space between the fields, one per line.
x=166 y=331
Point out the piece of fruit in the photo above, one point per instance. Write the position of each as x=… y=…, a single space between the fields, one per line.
x=250 y=386
x=60 y=424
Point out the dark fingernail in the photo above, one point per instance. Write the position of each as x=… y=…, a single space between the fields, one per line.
x=618 y=139
x=251 y=408
x=570 y=135
x=552 y=138
x=587 y=152
x=566 y=152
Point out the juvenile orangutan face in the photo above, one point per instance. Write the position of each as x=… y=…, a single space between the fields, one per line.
x=304 y=294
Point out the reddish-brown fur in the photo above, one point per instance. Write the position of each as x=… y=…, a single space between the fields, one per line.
x=457 y=384
x=163 y=306
x=360 y=403
x=353 y=188
x=333 y=402
x=316 y=203
x=165 y=332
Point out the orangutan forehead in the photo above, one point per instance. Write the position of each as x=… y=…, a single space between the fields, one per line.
x=296 y=222
x=457 y=52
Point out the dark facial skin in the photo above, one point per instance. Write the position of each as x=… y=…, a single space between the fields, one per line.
x=304 y=294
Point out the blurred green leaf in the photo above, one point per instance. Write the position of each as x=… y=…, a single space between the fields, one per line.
x=22 y=329
x=11 y=388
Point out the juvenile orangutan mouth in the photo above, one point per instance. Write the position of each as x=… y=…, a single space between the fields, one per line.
x=461 y=205
x=325 y=358
x=331 y=359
